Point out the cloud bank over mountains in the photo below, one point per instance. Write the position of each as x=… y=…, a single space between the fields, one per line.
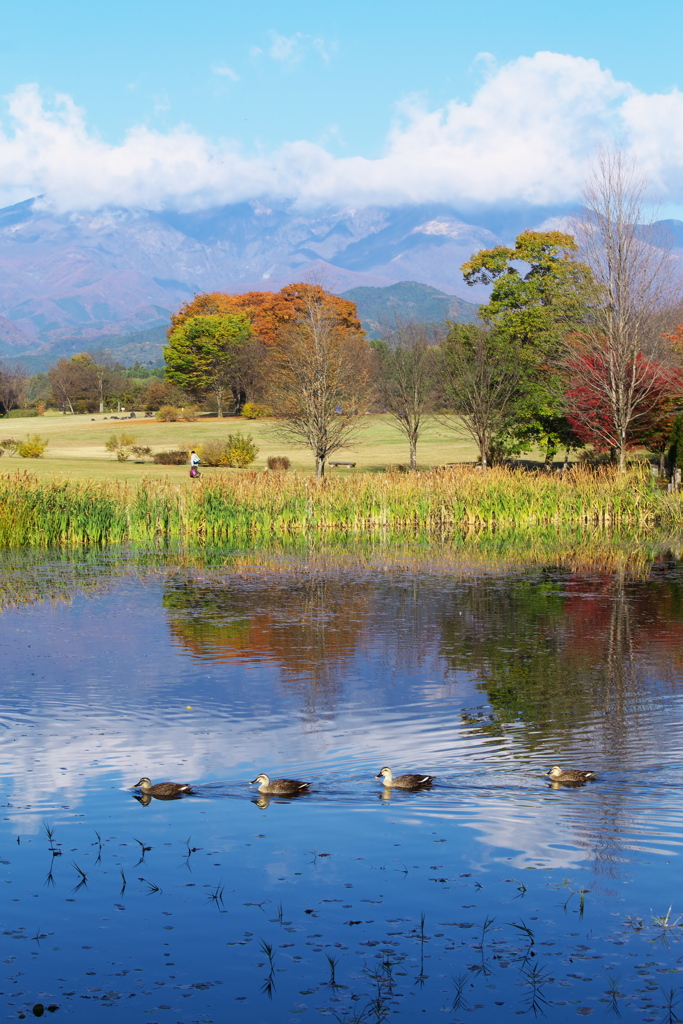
x=526 y=137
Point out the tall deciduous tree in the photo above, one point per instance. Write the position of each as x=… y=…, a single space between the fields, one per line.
x=66 y=383
x=202 y=351
x=614 y=353
x=321 y=382
x=269 y=312
x=407 y=380
x=484 y=382
x=653 y=390
x=13 y=381
x=98 y=376
x=540 y=292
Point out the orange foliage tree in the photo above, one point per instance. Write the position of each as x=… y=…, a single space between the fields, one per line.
x=271 y=312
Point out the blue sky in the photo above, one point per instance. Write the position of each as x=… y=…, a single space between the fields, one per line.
x=254 y=79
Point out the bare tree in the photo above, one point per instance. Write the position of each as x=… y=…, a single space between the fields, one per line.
x=407 y=381
x=12 y=383
x=612 y=354
x=483 y=378
x=321 y=382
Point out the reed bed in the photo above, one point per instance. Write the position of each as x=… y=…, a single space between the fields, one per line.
x=252 y=505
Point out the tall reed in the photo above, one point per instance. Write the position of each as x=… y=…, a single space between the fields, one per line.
x=250 y=505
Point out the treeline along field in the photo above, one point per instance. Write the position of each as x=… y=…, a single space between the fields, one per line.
x=579 y=349
x=249 y=505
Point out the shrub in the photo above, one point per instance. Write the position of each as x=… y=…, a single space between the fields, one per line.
x=236 y=450
x=141 y=452
x=20 y=413
x=169 y=414
x=253 y=411
x=241 y=449
x=177 y=457
x=121 y=445
x=33 y=447
x=594 y=460
x=190 y=413
x=278 y=462
x=9 y=445
x=213 y=453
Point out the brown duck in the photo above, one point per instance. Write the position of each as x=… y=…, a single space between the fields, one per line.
x=410 y=781
x=281 y=787
x=558 y=774
x=162 y=789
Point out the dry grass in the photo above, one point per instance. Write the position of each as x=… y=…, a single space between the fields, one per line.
x=256 y=504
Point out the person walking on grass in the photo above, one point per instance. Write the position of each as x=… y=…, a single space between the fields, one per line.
x=194 y=464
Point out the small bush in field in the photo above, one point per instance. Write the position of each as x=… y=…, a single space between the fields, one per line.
x=121 y=445
x=33 y=447
x=213 y=453
x=593 y=460
x=9 y=445
x=241 y=449
x=141 y=452
x=253 y=411
x=177 y=457
x=169 y=414
x=278 y=463
x=190 y=413
x=236 y=450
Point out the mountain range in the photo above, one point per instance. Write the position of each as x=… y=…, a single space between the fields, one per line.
x=77 y=280
x=83 y=276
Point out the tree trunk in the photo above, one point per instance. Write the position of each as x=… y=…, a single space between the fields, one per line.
x=413 y=453
x=622 y=453
x=219 y=403
x=319 y=466
x=101 y=405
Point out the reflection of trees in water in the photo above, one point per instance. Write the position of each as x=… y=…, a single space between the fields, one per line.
x=309 y=628
x=557 y=650
x=570 y=654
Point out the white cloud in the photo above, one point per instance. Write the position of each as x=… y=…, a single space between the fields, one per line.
x=226 y=72
x=290 y=50
x=286 y=48
x=527 y=135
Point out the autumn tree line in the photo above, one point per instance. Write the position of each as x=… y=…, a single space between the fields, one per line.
x=579 y=347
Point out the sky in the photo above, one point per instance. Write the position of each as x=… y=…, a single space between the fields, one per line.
x=192 y=105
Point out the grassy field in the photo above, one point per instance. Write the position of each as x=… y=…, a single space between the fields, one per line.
x=76 y=446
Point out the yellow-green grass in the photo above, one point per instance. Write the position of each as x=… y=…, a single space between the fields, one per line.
x=251 y=504
x=76 y=446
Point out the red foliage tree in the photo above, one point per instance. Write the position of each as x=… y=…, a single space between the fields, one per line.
x=271 y=312
x=654 y=390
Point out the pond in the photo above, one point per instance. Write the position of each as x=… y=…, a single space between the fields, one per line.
x=493 y=890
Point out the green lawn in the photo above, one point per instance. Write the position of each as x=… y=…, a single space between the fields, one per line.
x=76 y=445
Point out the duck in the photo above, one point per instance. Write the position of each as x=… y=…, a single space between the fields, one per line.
x=283 y=787
x=410 y=781
x=162 y=789
x=558 y=774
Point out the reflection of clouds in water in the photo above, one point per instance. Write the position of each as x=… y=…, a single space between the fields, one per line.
x=334 y=681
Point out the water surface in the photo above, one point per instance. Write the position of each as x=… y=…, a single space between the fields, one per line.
x=492 y=890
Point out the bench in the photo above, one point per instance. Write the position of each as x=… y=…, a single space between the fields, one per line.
x=351 y=464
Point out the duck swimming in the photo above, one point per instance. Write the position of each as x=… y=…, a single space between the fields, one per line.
x=558 y=774
x=283 y=787
x=410 y=781
x=162 y=789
